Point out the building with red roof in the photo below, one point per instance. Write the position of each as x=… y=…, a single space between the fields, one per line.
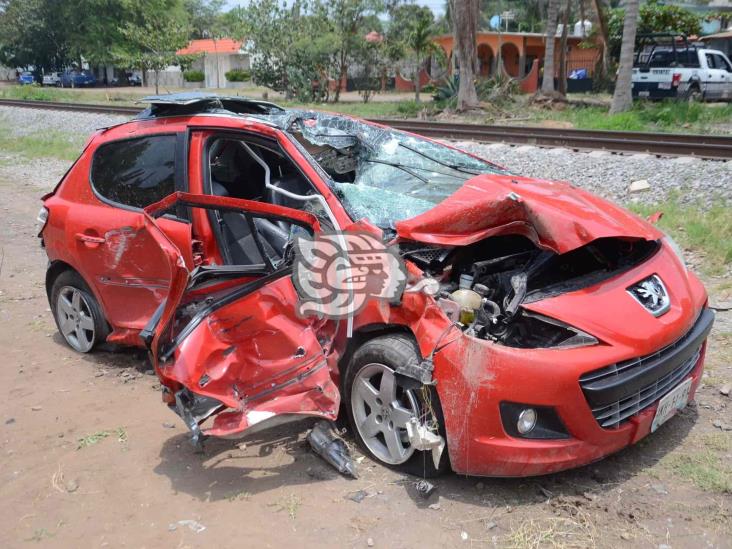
x=215 y=57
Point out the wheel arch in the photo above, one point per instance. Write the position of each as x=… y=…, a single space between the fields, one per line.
x=55 y=268
x=59 y=266
x=368 y=332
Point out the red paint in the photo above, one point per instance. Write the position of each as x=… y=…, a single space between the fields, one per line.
x=554 y=215
x=261 y=360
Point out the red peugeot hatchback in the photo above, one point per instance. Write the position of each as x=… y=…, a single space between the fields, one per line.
x=538 y=328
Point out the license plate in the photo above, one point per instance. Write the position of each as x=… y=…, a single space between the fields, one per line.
x=664 y=85
x=644 y=93
x=670 y=404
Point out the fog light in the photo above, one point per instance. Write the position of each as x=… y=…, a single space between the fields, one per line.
x=526 y=421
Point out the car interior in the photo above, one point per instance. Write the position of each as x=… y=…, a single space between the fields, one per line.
x=235 y=173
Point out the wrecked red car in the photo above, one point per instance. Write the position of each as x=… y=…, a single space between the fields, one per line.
x=538 y=328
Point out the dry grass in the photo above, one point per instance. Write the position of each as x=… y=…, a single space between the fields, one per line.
x=704 y=464
x=553 y=532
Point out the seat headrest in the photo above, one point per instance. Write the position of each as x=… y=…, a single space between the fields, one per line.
x=218 y=189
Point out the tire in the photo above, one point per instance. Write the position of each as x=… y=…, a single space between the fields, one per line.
x=371 y=362
x=77 y=313
x=694 y=95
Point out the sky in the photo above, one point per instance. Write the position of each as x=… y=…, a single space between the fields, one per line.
x=437 y=6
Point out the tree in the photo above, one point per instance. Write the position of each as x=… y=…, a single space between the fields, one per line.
x=206 y=18
x=371 y=57
x=602 y=37
x=152 y=45
x=420 y=43
x=32 y=32
x=623 y=96
x=562 y=80
x=347 y=19
x=547 y=82
x=292 y=47
x=464 y=15
x=654 y=17
x=94 y=27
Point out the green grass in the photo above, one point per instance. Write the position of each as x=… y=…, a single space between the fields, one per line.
x=94 y=438
x=666 y=116
x=38 y=93
x=706 y=231
x=391 y=109
x=46 y=144
x=385 y=109
x=705 y=467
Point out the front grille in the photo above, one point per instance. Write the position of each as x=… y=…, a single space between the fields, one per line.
x=619 y=391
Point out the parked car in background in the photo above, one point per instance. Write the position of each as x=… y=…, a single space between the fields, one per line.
x=52 y=79
x=78 y=79
x=130 y=79
x=26 y=78
x=681 y=70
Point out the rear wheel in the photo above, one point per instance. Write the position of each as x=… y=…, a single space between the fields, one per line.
x=694 y=95
x=78 y=316
x=379 y=406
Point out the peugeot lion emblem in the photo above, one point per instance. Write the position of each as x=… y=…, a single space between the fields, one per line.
x=651 y=293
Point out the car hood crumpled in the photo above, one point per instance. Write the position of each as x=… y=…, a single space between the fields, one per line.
x=555 y=216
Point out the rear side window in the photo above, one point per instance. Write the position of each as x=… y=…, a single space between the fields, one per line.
x=135 y=172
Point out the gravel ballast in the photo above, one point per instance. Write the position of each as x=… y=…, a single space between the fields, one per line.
x=606 y=174
x=611 y=175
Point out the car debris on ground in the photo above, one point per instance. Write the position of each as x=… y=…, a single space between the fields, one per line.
x=332 y=449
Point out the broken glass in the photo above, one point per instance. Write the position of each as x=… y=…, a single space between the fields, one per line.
x=380 y=173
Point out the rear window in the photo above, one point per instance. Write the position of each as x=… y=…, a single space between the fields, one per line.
x=682 y=57
x=135 y=172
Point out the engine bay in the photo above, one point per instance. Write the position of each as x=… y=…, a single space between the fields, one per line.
x=483 y=286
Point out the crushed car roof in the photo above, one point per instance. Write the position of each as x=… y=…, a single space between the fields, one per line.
x=190 y=103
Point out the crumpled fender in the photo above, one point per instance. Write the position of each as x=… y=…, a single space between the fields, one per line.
x=555 y=216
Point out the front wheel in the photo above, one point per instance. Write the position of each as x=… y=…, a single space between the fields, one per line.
x=379 y=406
x=77 y=313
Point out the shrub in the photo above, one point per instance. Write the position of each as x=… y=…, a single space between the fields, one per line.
x=194 y=76
x=238 y=75
x=409 y=109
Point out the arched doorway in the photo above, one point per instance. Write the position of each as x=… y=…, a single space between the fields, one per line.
x=510 y=55
x=485 y=59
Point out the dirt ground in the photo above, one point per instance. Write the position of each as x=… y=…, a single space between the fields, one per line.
x=91 y=457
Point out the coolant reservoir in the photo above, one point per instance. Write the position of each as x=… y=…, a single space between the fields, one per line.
x=464 y=296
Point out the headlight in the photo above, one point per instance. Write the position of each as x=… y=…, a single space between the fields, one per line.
x=676 y=249
x=534 y=331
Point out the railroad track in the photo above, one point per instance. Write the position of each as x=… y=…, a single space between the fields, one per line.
x=702 y=146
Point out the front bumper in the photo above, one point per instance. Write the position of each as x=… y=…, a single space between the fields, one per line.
x=474 y=376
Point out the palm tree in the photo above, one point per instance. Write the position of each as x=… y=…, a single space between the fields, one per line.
x=602 y=35
x=465 y=24
x=420 y=42
x=623 y=95
x=547 y=83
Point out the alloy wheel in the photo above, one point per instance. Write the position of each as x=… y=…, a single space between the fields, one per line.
x=381 y=409
x=75 y=319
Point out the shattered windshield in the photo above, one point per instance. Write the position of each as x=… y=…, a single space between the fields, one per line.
x=381 y=174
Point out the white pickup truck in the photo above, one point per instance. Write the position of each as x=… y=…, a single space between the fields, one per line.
x=688 y=72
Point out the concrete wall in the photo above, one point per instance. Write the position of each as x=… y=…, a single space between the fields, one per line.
x=219 y=64
x=170 y=78
x=209 y=64
x=6 y=73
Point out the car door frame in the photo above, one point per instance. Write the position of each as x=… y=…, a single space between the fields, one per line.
x=726 y=76
x=93 y=237
x=195 y=407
